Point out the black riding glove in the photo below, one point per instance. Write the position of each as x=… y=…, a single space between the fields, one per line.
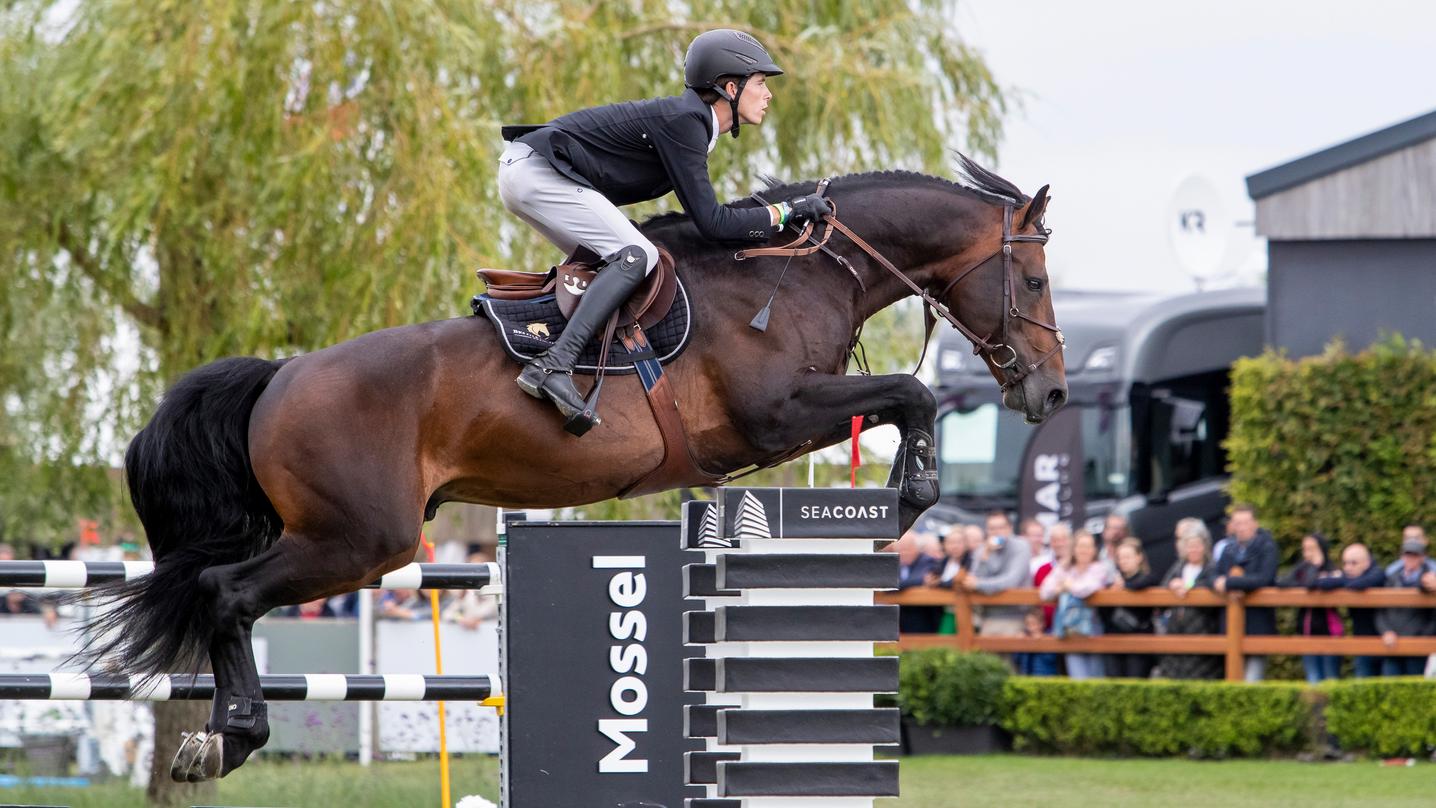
x=808 y=208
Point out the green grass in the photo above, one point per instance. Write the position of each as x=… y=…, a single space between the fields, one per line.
x=300 y=784
x=1019 y=780
x=927 y=782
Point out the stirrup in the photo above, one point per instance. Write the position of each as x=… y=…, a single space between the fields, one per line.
x=581 y=422
x=583 y=418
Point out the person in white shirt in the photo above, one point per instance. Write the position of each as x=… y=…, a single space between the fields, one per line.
x=954 y=548
x=1036 y=537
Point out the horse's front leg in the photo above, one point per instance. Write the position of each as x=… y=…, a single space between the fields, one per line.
x=820 y=408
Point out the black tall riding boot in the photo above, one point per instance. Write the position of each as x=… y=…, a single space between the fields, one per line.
x=551 y=372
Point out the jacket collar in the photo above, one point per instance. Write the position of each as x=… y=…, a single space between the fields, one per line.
x=690 y=99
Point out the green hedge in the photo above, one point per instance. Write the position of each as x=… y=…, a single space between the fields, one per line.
x=1166 y=718
x=1341 y=443
x=1157 y=718
x=946 y=688
x=1383 y=717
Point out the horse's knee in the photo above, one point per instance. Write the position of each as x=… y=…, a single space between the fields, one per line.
x=918 y=407
x=920 y=397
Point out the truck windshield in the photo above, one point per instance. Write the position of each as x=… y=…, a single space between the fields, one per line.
x=980 y=453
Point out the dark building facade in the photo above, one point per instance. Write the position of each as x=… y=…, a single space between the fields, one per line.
x=1351 y=240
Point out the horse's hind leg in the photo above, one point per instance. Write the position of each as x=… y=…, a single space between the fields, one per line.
x=239 y=720
x=294 y=570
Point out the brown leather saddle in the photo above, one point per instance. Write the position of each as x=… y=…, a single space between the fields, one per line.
x=567 y=282
x=648 y=305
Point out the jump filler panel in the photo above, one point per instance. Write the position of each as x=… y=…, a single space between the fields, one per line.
x=722 y=662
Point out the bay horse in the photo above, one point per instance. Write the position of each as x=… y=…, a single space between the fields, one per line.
x=264 y=483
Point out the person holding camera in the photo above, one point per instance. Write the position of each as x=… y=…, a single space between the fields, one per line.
x=1003 y=566
x=1070 y=585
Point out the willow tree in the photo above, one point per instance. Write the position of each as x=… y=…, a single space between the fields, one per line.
x=181 y=181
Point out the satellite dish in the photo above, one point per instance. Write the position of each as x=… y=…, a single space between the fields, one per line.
x=1198 y=229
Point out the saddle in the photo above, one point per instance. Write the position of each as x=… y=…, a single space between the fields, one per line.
x=648 y=304
x=648 y=308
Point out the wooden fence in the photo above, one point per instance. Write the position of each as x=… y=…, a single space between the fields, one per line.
x=1233 y=645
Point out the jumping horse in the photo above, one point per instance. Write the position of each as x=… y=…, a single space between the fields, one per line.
x=263 y=483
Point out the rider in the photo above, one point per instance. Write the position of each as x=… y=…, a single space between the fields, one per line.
x=595 y=159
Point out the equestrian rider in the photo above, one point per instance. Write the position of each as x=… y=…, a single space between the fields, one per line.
x=567 y=177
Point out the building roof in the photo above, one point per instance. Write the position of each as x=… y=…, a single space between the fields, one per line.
x=1342 y=155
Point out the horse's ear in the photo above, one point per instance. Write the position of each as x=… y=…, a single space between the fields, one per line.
x=1036 y=207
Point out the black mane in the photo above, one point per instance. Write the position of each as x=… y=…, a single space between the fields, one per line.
x=973 y=181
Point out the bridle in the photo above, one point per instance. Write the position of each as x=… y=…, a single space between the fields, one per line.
x=932 y=307
x=1010 y=311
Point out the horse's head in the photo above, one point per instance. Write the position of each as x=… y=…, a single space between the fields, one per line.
x=998 y=291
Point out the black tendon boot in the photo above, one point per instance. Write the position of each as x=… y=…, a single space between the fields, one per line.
x=551 y=372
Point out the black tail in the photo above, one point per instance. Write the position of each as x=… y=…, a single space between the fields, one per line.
x=191 y=483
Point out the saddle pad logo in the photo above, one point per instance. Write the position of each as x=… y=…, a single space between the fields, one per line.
x=574 y=285
x=539 y=330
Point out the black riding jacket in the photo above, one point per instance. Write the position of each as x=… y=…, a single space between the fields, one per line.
x=640 y=150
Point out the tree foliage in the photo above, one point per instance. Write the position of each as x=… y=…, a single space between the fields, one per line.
x=1340 y=443
x=181 y=181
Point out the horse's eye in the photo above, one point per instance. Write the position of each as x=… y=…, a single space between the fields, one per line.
x=1035 y=284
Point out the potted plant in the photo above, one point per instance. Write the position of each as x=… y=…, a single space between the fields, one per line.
x=950 y=702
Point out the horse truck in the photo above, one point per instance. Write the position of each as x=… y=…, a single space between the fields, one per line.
x=1142 y=432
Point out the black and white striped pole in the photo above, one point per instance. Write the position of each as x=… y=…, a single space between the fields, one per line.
x=276 y=687
x=82 y=574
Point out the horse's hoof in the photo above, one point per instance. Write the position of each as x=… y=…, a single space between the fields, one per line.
x=200 y=757
x=209 y=765
x=190 y=743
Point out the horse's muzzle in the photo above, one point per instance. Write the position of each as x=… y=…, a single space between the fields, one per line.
x=1036 y=398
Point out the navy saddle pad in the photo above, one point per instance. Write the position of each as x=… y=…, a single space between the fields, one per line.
x=528 y=327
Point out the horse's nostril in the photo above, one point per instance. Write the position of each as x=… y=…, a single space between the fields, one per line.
x=1056 y=399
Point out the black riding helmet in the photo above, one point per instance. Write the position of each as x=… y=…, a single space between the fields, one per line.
x=726 y=52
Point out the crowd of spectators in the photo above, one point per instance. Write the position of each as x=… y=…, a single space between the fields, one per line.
x=1067 y=567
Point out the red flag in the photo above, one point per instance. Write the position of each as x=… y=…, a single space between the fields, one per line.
x=857 y=450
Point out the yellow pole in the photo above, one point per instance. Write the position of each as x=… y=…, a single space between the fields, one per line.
x=444 y=792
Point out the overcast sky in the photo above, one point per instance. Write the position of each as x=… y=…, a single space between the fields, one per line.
x=1123 y=100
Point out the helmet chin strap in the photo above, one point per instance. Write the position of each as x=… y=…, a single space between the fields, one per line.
x=733 y=101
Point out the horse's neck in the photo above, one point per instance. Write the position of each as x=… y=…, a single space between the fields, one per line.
x=913 y=246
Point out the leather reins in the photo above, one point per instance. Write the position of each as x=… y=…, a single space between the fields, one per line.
x=932 y=307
